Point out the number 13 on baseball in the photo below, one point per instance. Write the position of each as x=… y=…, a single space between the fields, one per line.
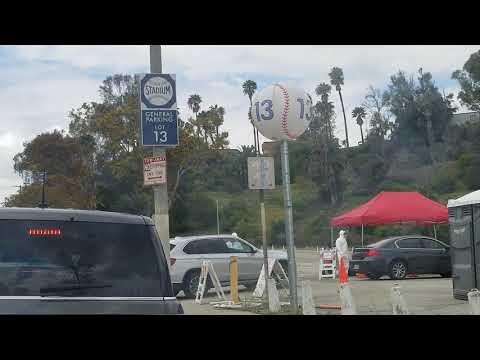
x=281 y=113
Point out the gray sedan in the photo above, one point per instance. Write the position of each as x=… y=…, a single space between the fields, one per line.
x=399 y=256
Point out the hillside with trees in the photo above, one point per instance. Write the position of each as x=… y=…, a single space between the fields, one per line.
x=409 y=143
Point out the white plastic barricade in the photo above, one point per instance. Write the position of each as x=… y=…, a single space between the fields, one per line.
x=347 y=301
x=308 y=306
x=398 y=301
x=474 y=301
x=328 y=264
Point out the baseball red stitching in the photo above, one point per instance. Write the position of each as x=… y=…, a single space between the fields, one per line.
x=286 y=106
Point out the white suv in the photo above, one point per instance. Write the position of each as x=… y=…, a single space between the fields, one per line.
x=187 y=254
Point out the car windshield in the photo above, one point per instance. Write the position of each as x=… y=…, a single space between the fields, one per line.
x=40 y=258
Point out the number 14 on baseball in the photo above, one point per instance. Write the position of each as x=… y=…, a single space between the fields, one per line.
x=280 y=112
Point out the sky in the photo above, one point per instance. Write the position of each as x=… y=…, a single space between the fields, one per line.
x=41 y=84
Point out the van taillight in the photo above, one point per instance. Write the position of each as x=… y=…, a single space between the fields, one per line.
x=172 y=261
x=373 y=252
x=52 y=232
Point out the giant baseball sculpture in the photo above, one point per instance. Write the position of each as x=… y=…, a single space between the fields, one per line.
x=281 y=112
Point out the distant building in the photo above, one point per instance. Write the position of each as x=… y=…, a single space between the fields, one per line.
x=463 y=118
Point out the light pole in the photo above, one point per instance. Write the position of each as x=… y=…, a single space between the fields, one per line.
x=218 y=221
x=292 y=268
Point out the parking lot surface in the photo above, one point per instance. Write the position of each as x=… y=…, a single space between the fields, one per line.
x=425 y=295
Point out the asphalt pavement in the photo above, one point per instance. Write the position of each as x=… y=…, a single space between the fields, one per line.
x=425 y=295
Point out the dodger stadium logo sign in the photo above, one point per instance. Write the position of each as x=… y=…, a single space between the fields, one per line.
x=158 y=91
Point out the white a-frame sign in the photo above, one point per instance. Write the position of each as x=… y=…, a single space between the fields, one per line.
x=207 y=267
x=274 y=268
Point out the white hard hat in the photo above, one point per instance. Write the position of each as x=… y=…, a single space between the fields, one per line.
x=234 y=234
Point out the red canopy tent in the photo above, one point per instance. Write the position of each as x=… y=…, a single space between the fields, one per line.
x=394 y=208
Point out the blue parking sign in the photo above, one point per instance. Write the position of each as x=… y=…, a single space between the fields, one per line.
x=158 y=110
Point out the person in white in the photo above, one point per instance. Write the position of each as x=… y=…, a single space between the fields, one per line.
x=342 y=250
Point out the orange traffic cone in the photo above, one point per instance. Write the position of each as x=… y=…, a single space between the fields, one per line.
x=342 y=277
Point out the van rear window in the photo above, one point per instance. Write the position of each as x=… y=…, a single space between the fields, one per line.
x=54 y=258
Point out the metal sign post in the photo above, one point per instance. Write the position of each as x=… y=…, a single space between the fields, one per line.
x=261 y=176
x=292 y=267
x=158 y=128
x=218 y=221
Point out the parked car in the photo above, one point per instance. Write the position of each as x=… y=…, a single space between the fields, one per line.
x=188 y=253
x=55 y=261
x=399 y=256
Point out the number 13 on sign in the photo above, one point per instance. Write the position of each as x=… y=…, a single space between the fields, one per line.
x=160 y=136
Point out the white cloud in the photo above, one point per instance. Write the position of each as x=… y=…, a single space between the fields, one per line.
x=7 y=140
x=33 y=100
x=41 y=84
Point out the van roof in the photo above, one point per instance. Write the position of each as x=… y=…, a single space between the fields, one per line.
x=14 y=213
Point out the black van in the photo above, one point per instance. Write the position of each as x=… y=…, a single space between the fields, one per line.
x=56 y=261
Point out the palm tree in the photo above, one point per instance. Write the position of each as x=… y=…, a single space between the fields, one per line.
x=359 y=113
x=218 y=112
x=325 y=107
x=336 y=78
x=249 y=88
x=194 y=102
x=204 y=122
x=323 y=90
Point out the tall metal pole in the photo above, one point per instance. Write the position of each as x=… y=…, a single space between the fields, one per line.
x=160 y=193
x=264 y=227
x=435 y=230
x=331 y=237
x=264 y=243
x=292 y=268
x=43 y=204
x=218 y=221
x=43 y=189
x=362 y=235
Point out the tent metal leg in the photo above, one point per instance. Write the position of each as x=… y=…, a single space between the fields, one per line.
x=435 y=230
x=331 y=236
x=362 y=235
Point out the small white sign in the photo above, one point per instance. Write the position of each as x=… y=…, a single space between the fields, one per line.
x=154 y=170
x=27 y=177
x=261 y=173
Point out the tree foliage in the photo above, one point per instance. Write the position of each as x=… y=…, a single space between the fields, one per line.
x=324 y=161
x=421 y=112
x=469 y=80
x=376 y=105
x=68 y=164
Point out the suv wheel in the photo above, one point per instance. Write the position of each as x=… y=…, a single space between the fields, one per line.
x=176 y=289
x=190 y=284
x=398 y=270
